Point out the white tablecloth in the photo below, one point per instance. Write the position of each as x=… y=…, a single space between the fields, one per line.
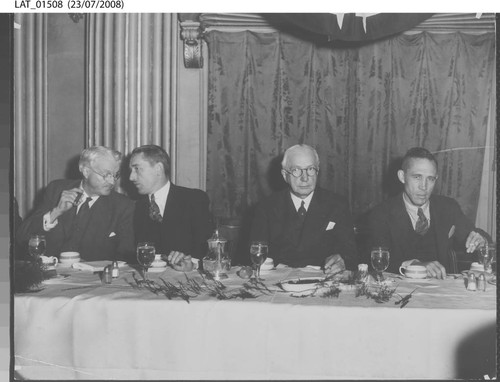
x=119 y=332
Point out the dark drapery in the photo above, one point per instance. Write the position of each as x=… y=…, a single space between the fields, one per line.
x=361 y=108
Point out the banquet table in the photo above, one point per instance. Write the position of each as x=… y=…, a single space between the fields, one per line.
x=76 y=327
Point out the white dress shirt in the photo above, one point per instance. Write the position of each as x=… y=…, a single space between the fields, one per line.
x=413 y=210
x=161 y=197
x=297 y=202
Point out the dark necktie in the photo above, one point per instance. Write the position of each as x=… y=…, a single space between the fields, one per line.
x=422 y=223
x=154 y=210
x=84 y=208
x=302 y=210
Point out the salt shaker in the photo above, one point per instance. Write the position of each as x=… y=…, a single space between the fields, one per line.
x=471 y=283
x=115 y=271
x=481 y=282
x=106 y=275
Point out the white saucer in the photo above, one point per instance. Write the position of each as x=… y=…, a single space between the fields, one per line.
x=156 y=269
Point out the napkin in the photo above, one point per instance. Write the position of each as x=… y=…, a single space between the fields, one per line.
x=87 y=267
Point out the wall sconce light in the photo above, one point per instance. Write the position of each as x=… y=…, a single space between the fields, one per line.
x=76 y=17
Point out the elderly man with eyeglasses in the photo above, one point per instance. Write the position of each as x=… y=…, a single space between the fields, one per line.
x=304 y=224
x=86 y=216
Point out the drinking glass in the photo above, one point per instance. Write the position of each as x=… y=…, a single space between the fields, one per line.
x=380 y=261
x=486 y=255
x=36 y=246
x=258 y=254
x=145 y=256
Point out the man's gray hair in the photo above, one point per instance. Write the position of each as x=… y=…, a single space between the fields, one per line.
x=91 y=154
x=300 y=147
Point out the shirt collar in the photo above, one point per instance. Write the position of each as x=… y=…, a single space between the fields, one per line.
x=85 y=196
x=413 y=209
x=161 y=196
x=297 y=202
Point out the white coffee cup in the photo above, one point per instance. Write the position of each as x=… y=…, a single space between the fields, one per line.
x=66 y=259
x=477 y=267
x=414 y=271
x=49 y=260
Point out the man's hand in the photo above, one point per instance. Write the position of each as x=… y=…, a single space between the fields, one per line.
x=66 y=201
x=434 y=269
x=334 y=264
x=180 y=261
x=474 y=241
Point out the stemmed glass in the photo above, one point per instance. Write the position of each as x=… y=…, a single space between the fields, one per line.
x=36 y=246
x=380 y=261
x=258 y=254
x=145 y=256
x=486 y=256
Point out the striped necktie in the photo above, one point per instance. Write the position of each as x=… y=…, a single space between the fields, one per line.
x=422 y=224
x=154 y=210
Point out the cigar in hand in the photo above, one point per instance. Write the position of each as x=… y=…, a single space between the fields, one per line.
x=77 y=199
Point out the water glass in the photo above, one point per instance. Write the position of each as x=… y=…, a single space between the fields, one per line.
x=258 y=254
x=145 y=256
x=486 y=255
x=36 y=246
x=380 y=261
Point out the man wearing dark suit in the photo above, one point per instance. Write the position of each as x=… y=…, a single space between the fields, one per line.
x=86 y=216
x=418 y=227
x=176 y=219
x=305 y=224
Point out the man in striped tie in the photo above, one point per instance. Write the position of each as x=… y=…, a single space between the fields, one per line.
x=176 y=219
x=418 y=227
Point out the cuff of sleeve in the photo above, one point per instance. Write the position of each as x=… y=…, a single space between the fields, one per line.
x=47 y=225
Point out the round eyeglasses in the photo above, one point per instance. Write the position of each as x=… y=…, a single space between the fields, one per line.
x=107 y=177
x=297 y=172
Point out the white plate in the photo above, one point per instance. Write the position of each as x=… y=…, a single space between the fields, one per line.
x=302 y=284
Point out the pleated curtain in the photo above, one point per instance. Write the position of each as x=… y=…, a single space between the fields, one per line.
x=131 y=78
x=30 y=104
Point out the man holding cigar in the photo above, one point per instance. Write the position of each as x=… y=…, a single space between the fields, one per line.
x=86 y=216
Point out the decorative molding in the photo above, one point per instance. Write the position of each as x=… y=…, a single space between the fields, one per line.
x=193 y=52
x=76 y=17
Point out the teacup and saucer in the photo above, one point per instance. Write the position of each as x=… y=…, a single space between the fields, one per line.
x=414 y=271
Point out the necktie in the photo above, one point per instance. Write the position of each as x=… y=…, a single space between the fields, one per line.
x=302 y=210
x=154 y=210
x=84 y=208
x=422 y=223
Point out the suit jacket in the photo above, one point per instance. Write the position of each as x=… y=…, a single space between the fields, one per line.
x=389 y=225
x=186 y=224
x=273 y=223
x=111 y=213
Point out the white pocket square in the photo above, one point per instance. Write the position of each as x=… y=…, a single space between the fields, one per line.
x=452 y=231
x=112 y=234
x=330 y=226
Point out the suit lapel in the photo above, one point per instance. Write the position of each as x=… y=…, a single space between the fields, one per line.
x=439 y=225
x=68 y=217
x=284 y=212
x=400 y=223
x=172 y=209
x=316 y=218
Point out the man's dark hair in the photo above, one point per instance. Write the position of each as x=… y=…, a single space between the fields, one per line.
x=154 y=154
x=417 y=153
